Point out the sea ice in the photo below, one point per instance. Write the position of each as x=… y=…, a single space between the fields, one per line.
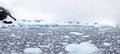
x=107 y=44
x=82 y=48
x=76 y=33
x=32 y=51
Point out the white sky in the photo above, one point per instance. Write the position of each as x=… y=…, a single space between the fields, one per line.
x=65 y=10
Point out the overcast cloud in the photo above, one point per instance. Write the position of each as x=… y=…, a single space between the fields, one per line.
x=65 y=10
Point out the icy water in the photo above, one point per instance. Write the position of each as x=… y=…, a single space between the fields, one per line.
x=53 y=40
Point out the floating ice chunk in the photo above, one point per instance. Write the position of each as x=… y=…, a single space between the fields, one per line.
x=12 y=43
x=41 y=34
x=72 y=47
x=107 y=44
x=83 y=48
x=86 y=36
x=32 y=51
x=76 y=33
x=118 y=41
x=61 y=53
x=14 y=53
x=6 y=29
x=13 y=35
x=66 y=36
x=18 y=37
x=47 y=46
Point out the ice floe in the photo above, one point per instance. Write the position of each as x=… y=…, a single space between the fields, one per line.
x=13 y=35
x=76 y=33
x=107 y=44
x=86 y=36
x=82 y=48
x=41 y=34
x=32 y=51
